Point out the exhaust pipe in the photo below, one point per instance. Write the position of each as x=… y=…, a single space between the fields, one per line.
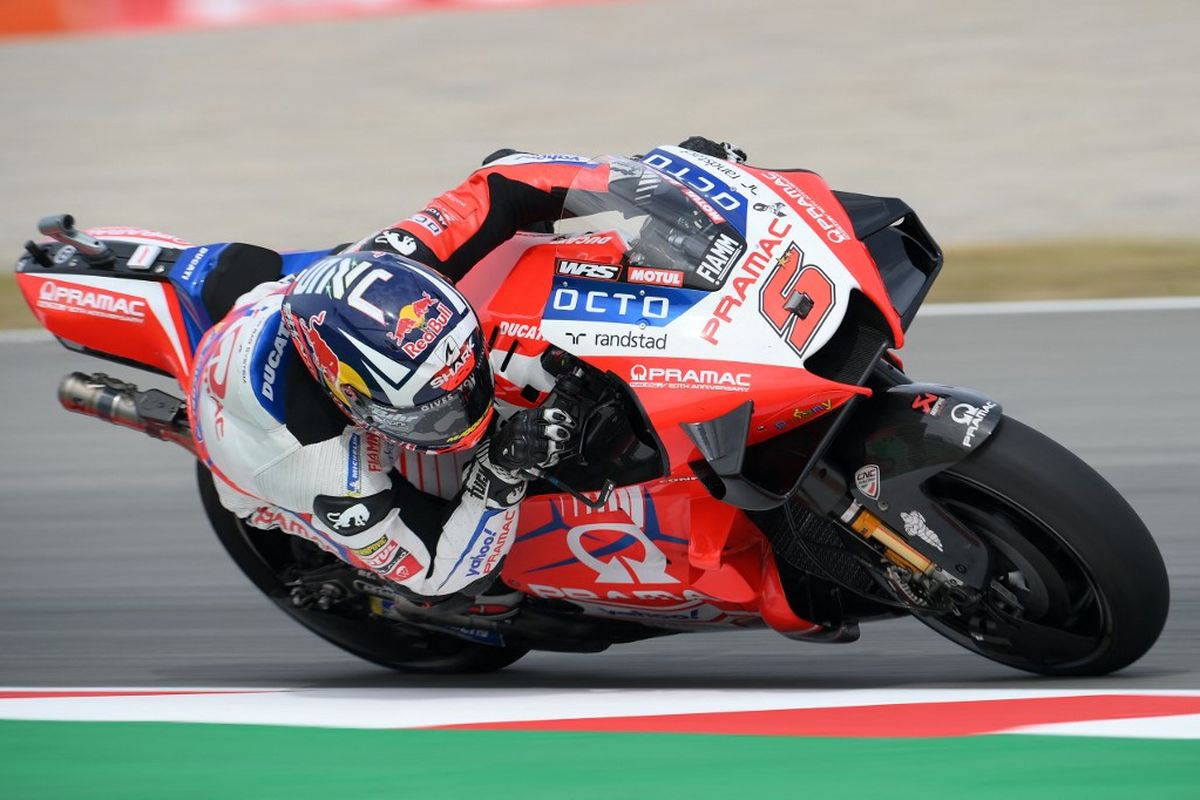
x=153 y=412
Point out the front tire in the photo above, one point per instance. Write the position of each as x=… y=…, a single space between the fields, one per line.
x=1082 y=589
x=264 y=555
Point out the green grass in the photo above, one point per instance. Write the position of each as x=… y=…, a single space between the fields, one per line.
x=14 y=313
x=1051 y=270
x=164 y=760
x=1062 y=270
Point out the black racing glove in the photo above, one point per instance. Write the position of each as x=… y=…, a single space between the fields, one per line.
x=708 y=147
x=531 y=441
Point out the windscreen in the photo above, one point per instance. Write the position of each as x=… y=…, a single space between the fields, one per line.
x=663 y=225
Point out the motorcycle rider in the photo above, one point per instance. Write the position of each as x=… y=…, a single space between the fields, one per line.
x=352 y=404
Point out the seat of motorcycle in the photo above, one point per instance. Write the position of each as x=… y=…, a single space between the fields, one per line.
x=240 y=267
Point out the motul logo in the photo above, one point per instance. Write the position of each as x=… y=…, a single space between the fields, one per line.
x=93 y=303
x=582 y=269
x=660 y=277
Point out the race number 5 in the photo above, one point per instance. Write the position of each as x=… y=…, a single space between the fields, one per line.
x=796 y=299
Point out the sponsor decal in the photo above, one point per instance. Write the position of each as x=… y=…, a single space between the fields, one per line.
x=373 y=547
x=317 y=353
x=344 y=277
x=271 y=367
x=423 y=319
x=915 y=526
x=812 y=411
x=573 y=300
x=520 y=331
x=585 y=239
x=694 y=177
x=492 y=547
x=353 y=517
x=658 y=277
x=402 y=242
x=623 y=569
x=267 y=517
x=375 y=452
x=405 y=566
x=384 y=556
x=744 y=279
x=722 y=253
x=927 y=403
x=716 y=165
x=91 y=302
x=458 y=366
x=778 y=208
x=703 y=205
x=867 y=480
x=972 y=417
x=629 y=340
x=643 y=377
x=138 y=233
x=477 y=483
x=353 y=464
x=533 y=157
x=436 y=215
x=428 y=223
x=193 y=263
x=832 y=229
x=572 y=593
x=584 y=269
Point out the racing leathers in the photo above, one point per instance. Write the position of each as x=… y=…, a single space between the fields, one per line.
x=283 y=456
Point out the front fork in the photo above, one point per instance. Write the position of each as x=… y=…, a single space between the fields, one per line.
x=874 y=478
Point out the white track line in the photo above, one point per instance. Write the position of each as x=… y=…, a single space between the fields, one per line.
x=418 y=708
x=25 y=336
x=1059 y=306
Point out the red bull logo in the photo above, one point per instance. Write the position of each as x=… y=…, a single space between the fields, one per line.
x=318 y=353
x=416 y=318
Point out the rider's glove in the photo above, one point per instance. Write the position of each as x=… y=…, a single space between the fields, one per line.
x=708 y=147
x=531 y=441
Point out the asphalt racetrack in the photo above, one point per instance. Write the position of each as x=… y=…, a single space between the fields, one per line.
x=109 y=575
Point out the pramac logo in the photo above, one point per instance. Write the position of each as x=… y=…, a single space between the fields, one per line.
x=621 y=569
x=91 y=302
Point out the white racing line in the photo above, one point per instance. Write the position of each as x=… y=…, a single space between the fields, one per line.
x=423 y=708
x=34 y=335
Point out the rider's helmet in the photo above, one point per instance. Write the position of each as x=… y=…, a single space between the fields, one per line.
x=395 y=346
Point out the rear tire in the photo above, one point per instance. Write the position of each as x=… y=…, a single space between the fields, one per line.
x=264 y=555
x=1091 y=585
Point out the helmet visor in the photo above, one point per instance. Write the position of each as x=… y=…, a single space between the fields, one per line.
x=439 y=425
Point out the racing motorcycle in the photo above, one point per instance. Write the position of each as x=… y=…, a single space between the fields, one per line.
x=751 y=452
